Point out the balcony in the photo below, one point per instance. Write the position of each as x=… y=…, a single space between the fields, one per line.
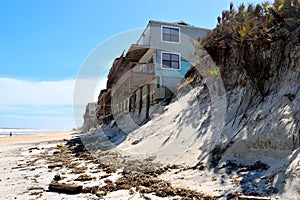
x=144 y=68
x=122 y=64
x=140 y=74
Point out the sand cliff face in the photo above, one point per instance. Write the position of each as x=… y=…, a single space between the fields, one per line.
x=261 y=75
x=262 y=120
x=263 y=116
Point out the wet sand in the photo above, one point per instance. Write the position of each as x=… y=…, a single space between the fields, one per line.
x=43 y=137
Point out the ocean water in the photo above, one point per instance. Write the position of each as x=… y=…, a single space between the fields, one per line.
x=4 y=132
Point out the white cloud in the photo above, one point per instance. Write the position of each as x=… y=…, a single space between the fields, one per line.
x=46 y=103
x=87 y=90
x=20 y=92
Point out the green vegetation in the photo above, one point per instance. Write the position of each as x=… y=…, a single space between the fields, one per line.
x=248 y=33
x=254 y=24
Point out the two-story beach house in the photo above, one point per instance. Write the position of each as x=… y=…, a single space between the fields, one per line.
x=152 y=67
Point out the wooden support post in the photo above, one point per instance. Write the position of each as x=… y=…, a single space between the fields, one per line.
x=130 y=104
x=141 y=100
x=147 y=101
x=134 y=102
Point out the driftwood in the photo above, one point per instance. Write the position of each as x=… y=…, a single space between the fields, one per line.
x=55 y=165
x=84 y=177
x=105 y=176
x=34 y=148
x=65 y=188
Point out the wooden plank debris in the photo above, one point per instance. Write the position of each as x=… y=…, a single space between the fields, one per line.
x=65 y=188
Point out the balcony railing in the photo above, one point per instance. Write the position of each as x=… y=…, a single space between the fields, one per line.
x=144 y=68
x=140 y=74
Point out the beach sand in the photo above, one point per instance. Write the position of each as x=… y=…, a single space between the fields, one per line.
x=26 y=171
x=29 y=164
x=45 y=136
x=19 y=175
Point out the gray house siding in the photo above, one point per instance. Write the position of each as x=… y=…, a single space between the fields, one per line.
x=169 y=78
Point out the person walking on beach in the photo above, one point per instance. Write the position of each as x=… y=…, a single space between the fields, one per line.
x=10 y=134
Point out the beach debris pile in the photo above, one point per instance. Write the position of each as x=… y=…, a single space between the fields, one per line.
x=70 y=171
x=110 y=172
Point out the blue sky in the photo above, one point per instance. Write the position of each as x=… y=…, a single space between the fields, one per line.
x=46 y=44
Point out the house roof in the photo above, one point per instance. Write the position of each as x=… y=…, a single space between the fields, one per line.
x=115 y=66
x=180 y=23
x=103 y=91
x=135 y=52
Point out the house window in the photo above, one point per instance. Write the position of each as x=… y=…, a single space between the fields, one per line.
x=170 y=34
x=170 y=60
